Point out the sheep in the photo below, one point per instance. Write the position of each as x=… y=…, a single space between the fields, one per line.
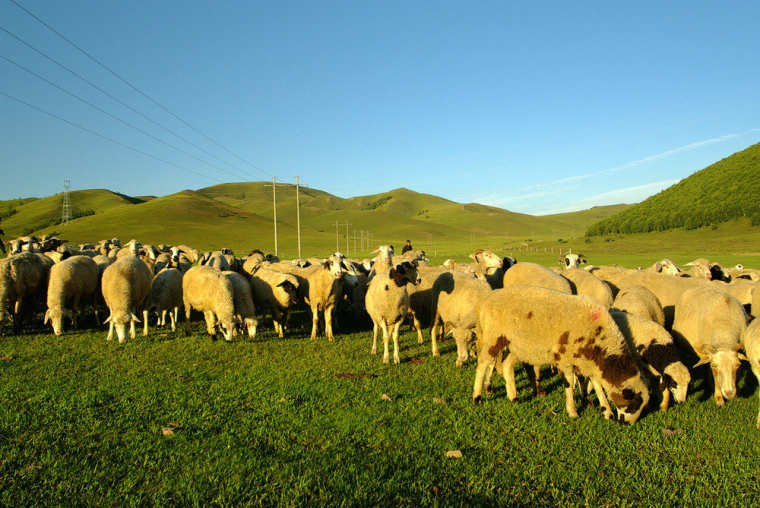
x=420 y=299
x=387 y=302
x=571 y=260
x=711 y=322
x=71 y=281
x=166 y=295
x=456 y=299
x=324 y=287
x=491 y=266
x=275 y=292
x=665 y=266
x=383 y=261
x=656 y=348
x=205 y=289
x=751 y=341
x=535 y=275
x=586 y=284
x=641 y=302
x=668 y=289
x=574 y=333
x=218 y=260
x=245 y=311
x=23 y=282
x=705 y=269
x=191 y=254
x=126 y=287
x=253 y=261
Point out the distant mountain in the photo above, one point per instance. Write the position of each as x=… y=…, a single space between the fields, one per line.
x=239 y=216
x=728 y=189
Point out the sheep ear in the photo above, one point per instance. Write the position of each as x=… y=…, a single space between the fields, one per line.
x=46 y=319
x=108 y=319
x=703 y=360
x=136 y=319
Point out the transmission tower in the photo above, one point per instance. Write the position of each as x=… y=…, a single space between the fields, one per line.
x=66 y=212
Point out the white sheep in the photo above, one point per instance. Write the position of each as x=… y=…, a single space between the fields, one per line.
x=656 y=348
x=23 y=283
x=570 y=260
x=573 y=333
x=323 y=286
x=751 y=342
x=387 y=303
x=584 y=283
x=640 y=301
x=205 y=289
x=166 y=296
x=126 y=287
x=72 y=281
x=456 y=300
x=712 y=323
x=245 y=311
x=275 y=292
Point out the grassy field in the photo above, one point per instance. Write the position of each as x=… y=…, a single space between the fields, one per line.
x=181 y=419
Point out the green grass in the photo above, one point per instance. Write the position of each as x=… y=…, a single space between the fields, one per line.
x=270 y=422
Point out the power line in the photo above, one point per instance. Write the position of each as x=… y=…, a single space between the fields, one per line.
x=112 y=97
x=133 y=87
x=115 y=117
x=103 y=136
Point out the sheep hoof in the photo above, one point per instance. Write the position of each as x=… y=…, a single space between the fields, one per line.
x=386 y=359
x=720 y=402
x=477 y=400
x=608 y=414
x=488 y=389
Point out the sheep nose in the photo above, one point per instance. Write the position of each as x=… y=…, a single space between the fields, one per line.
x=729 y=394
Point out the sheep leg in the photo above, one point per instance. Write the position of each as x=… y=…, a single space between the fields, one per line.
x=508 y=372
x=328 y=323
x=460 y=337
x=602 y=399
x=484 y=362
x=572 y=412
x=176 y=316
x=277 y=321
x=418 y=327
x=434 y=335
x=110 y=331
x=665 y=399
x=145 y=323
x=173 y=319
x=534 y=374
x=374 y=338
x=162 y=319
x=314 y=322
x=396 y=327
x=717 y=394
x=210 y=322
x=132 y=332
x=386 y=354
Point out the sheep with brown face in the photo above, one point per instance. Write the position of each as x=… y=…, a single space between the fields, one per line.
x=387 y=302
x=72 y=281
x=575 y=334
x=712 y=322
x=126 y=287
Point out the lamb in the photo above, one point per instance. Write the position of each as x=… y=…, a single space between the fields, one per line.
x=71 y=281
x=166 y=295
x=245 y=311
x=751 y=342
x=712 y=322
x=586 y=284
x=641 y=302
x=656 y=348
x=387 y=302
x=23 y=282
x=205 y=289
x=574 y=333
x=275 y=292
x=126 y=287
x=456 y=300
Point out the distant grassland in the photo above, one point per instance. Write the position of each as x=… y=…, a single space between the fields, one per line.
x=293 y=421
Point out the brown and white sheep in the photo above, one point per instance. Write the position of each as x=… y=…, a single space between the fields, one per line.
x=275 y=292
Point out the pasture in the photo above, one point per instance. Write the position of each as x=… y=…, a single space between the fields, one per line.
x=183 y=419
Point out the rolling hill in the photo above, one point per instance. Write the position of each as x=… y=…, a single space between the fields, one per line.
x=722 y=191
x=239 y=216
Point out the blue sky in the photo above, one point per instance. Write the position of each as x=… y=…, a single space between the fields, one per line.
x=535 y=107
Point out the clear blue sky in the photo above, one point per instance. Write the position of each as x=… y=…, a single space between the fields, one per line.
x=532 y=106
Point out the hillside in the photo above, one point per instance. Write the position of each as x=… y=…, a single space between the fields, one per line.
x=239 y=216
x=725 y=190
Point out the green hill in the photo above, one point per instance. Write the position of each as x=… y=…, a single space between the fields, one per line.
x=725 y=190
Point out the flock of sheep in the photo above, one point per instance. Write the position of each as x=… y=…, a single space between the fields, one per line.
x=631 y=336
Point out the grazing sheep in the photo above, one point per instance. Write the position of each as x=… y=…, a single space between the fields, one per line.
x=387 y=303
x=126 y=287
x=245 y=311
x=23 y=282
x=656 y=348
x=166 y=295
x=72 y=281
x=534 y=274
x=641 y=302
x=584 y=283
x=711 y=322
x=205 y=289
x=751 y=342
x=456 y=300
x=573 y=333
x=275 y=292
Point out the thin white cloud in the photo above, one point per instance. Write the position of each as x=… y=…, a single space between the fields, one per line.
x=632 y=194
x=554 y=187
